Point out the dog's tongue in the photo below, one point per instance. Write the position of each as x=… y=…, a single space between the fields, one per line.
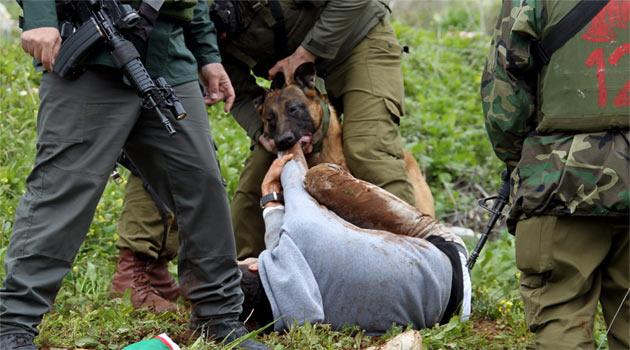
x=306 y=144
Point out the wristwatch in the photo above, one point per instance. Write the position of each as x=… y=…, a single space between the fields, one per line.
x=271 y=197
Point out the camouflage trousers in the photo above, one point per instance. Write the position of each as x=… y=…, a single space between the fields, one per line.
x=369 y=85
x=568 y=265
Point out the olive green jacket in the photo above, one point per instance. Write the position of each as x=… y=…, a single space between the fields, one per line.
x=328 y=29
x=175 y=51
x=559 y=172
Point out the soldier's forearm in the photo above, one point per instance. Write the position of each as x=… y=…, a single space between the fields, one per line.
x=201 y=36
x=333 y=27
x=39 y=13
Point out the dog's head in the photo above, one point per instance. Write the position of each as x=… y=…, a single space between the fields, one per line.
x=292 y=113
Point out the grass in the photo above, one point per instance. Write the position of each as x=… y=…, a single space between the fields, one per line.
x=444 y=130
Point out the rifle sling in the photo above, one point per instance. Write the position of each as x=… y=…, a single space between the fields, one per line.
x=568 y=27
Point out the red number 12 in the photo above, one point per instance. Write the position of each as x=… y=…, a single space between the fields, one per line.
x=596 y=58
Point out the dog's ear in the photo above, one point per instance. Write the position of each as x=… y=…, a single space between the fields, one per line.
x=278 y=81
x=259 y=102
x=304 y=75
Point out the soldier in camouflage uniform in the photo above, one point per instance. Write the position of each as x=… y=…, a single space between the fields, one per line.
x=562 y=128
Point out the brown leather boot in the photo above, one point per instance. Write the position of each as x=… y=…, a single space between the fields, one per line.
x=131 y=273
x=162 y=280
x=124 y=272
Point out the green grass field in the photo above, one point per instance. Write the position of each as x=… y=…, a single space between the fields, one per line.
x=444 y=130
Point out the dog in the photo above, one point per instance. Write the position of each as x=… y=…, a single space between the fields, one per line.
x=301 y=113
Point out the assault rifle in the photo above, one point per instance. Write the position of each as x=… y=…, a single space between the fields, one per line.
x=92 y=24
x=500 y=200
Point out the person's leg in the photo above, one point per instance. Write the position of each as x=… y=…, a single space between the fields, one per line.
x=559 y=259
x=249 y=228
x=615 y=286
x=140 y=225
x=82 y=126
x=184 y=172
x=370 y=84
x=140 y=267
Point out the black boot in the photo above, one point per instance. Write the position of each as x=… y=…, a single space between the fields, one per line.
x=17 y=341
x=228 y=331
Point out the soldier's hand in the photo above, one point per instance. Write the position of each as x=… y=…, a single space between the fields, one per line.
x=218 y=85
x=290 y=64
x=43 y=44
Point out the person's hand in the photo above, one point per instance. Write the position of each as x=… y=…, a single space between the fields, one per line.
x=267 y=143
x=218 y=85
x=43 y=44
x=251 y=263
x=271 y=182
x=290 y=64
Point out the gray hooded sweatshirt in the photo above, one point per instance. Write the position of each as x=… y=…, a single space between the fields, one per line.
x=319 y=268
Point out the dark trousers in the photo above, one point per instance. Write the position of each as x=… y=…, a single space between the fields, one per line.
x=82 y=127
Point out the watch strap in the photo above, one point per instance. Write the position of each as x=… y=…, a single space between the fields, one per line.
x=271 y=197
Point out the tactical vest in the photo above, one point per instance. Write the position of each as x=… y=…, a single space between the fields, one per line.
x=254 y=44
x=586 y=85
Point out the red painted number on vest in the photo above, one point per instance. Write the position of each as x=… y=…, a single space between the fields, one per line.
x=597 y=59
x=623 y=97
x=602 y=29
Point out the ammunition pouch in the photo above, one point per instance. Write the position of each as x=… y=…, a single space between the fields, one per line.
x=227 y=16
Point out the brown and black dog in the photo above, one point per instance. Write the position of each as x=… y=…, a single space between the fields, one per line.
x=296 y=113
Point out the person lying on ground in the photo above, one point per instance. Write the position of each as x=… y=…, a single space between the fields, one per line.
x=319 y=268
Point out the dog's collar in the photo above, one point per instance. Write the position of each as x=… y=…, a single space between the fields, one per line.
x=321 y=132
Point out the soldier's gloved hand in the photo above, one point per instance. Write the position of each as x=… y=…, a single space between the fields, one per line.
x=43 y=44
x=290 y=64
x=218 y=85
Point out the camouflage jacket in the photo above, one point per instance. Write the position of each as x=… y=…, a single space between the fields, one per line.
x=560 y=173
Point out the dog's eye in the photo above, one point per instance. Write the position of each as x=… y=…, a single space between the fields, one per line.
x=293 y=109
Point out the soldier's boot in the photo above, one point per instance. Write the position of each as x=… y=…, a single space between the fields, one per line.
x=227 y=331
x=17 y=341
x=162 y=280
x=131 y=273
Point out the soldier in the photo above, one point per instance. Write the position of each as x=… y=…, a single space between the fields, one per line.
x=358 y=55
x=82 y=126
x=556 y=103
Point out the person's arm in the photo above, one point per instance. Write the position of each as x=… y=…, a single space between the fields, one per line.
x=329 y=32
x=508 y=82
x=333 y=26
x=38 y=14
x=201 y=36
x=201 y=39
x=273 y=213
x=273 y=217
x=40 y=37
x=246 y=90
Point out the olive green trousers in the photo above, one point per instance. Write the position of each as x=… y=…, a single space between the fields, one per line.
x=143 y=228
x=369 y=85
x=568 y=265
